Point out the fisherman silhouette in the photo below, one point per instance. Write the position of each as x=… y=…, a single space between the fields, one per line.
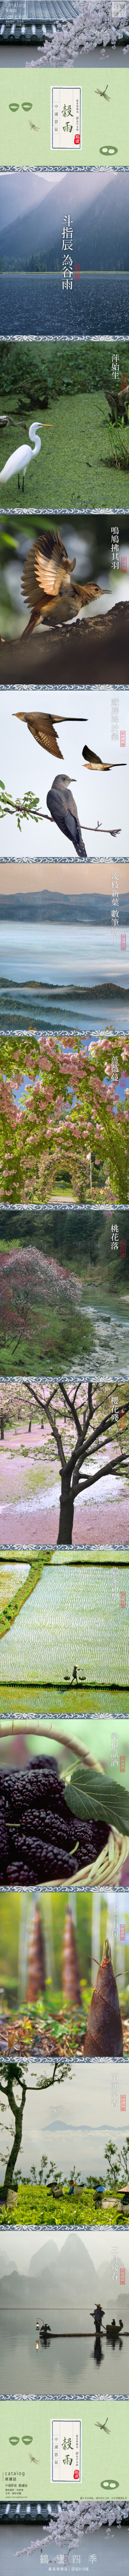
x=97 y=2313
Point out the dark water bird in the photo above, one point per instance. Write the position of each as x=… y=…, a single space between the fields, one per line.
x=45 y=2335
x=113 y=2332
x=61 y=804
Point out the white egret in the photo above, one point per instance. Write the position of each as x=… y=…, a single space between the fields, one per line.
x=22 y=456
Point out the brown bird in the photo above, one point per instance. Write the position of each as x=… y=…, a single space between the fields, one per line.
x=44 y=731
x=92 y=761
x=47 y=576
x=47 y=571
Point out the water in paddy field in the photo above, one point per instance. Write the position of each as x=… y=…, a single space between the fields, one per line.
x=35 y=304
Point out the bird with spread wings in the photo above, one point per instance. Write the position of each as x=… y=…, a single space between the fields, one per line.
x=47 y=578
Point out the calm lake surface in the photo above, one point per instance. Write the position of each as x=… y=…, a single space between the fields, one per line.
x=66 y=2367
x=63 y=953
x=33 y=304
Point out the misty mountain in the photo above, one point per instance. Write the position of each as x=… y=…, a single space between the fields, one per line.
x=99 y=217
x=58 y=2289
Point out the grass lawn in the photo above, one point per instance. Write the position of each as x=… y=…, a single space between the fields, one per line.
x=72 y=470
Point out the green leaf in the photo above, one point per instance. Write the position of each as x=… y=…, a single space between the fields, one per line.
x=88 y=1794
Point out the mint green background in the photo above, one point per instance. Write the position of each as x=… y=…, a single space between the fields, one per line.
x=33 y=2480
x=93 y=1736
x=25 y=139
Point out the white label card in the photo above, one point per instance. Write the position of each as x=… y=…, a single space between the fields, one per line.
x=66 y=2449
x=66 y=118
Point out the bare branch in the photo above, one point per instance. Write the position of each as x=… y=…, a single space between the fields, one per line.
x=78 y=1453
x=71 y=1405
x=57 y=1435
x=110 y=1468
x=46 y=1407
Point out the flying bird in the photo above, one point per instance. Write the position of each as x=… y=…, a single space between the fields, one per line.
x=64 y=812
x=92 y=760
x=44 y=731
x=22 y=456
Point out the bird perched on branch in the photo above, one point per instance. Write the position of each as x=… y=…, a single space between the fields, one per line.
x=64 y=812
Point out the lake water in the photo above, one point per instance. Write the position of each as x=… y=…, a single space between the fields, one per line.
x=36 y=305
x=63 y=952
x=66 y=2368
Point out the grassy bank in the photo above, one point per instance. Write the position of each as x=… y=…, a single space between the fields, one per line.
x=77 y=466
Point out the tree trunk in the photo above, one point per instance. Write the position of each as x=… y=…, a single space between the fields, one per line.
x=2 y=1427
x=17 y=2109
x=66 y=1519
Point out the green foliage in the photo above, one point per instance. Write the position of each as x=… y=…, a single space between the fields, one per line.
x=73 y=2205
x=26 y=374
x=71 y=1129
x=24 y=807
x=80 y=457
